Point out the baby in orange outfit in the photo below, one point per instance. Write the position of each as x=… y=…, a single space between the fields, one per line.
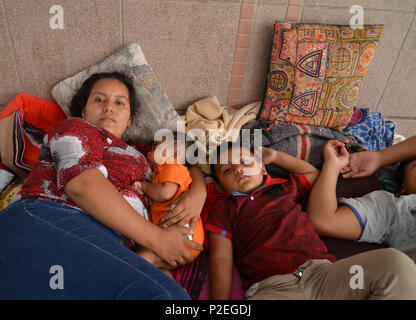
x=170 y=180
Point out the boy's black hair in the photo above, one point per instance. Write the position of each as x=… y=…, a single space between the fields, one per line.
x=226 y=145
x=80 y=98
x=401 y=169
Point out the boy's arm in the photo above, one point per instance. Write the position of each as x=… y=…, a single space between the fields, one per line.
x=322 y=208
x=290 y=163
x=365 y=163
x=220 y=265
x=163 y=191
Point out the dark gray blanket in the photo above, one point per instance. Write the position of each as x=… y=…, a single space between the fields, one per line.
x=306 y=142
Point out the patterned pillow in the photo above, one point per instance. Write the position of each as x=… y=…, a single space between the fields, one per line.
x=155 y=111
x=316 y=72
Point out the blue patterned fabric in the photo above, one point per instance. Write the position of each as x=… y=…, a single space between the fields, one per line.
x=371 y=129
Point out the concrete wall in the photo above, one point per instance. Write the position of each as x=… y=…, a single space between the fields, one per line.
x=199 y=48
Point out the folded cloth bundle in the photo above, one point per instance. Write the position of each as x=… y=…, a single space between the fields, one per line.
x=371 y=129
x=23 y=123
x=209 y=124
x=301 y=141
x=5 y=177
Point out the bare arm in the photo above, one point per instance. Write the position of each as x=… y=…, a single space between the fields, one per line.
x=290 y=164
x=365 y=163
x=92 y=192
x=402 y=151
x=220 y=266
x=322 y=208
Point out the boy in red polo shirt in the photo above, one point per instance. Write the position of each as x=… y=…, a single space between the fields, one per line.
x=260 y=225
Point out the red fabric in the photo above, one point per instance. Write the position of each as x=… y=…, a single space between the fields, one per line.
x=40 y=113
x=213 y=195
x=271 y=234
x=140 y=146
x=37 y=112
x=75 y=145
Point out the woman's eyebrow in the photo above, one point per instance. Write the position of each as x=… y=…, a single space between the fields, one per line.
x=104 y=94
x=123 y=97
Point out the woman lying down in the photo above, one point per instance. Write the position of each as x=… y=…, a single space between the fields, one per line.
x=65 y=238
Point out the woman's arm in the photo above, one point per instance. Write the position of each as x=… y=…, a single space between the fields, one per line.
x=187 y=208
x=220 y=266
x=93 y=193
x=290 y=164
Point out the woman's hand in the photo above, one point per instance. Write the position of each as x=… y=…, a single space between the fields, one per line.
x=173 y=245
x=186 y=209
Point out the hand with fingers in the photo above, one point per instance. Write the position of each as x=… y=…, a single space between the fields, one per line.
x=173 y=246
x=362 y=164
x=268 y=155
x=138 y=185
x=336 y=153
x=185 y=210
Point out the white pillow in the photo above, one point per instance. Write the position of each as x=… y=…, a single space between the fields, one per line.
x=155 y=110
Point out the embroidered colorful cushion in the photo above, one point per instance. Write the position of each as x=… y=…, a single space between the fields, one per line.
x=316 y=72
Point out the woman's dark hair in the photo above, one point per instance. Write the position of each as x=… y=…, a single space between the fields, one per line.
x=80 y=98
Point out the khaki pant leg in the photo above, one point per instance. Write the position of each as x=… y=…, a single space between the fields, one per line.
x=385 y=274
x=279 y=287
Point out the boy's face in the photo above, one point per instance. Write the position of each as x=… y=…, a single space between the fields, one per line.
x=241 y=172
x=409 y=183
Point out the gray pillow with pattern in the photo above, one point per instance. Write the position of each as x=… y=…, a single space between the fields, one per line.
x=155 y=111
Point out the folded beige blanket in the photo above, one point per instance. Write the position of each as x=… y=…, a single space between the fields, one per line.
x=219 y=123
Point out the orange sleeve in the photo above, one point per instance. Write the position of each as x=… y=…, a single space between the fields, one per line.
x=175 y=172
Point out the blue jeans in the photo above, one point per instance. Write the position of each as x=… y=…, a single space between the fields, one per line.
x=51 y=251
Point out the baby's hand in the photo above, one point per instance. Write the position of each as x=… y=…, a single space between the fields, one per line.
x=138 y=186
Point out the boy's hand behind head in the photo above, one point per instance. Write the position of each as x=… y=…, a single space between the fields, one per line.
x=268 y=155
x=336 y=154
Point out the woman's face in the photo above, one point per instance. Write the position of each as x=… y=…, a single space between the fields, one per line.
x=108 y=106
